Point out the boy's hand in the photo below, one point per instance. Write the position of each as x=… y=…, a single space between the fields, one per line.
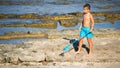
x=91 y=30
x=79 y=29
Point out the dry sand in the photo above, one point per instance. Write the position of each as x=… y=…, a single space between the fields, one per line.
x=106 y=53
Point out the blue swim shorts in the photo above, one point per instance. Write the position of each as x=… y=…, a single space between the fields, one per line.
x=85 y=32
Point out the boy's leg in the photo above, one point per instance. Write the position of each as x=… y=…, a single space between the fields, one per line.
x=90 y=45
x=80 y=46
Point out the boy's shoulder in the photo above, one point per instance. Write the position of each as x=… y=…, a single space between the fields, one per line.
x=90 y=14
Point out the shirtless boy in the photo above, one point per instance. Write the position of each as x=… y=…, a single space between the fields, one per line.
x=86 y=28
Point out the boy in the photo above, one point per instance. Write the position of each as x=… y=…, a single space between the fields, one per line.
x=86 y=28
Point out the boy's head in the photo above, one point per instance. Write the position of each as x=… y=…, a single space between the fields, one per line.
x=86 y=8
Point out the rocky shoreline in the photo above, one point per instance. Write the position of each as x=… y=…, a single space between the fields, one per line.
x=52 y=34
x=47 y=53
x=46 y=26
x=67 y=20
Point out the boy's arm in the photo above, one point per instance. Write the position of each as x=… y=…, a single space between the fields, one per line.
x=92 y=20
x=80 y=26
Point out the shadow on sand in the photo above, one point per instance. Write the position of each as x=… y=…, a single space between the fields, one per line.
x=75 y=46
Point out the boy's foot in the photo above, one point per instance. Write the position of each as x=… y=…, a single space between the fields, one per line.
x=77 y=52
x=90 y=54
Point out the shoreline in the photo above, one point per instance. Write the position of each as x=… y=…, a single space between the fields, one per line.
x=52 y=34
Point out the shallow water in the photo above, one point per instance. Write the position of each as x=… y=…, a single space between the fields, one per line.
x=20 y=41
x=116 y=25
x=18 y=21
x=52 y=7
x=13 y=41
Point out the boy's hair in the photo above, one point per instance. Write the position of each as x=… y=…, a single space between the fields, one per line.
x=87 y=5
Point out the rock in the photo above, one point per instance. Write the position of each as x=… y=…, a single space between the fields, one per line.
x=69 y=22
x=42 y=24
x=57 y=17
x=2 y=58
x=7 y=16
x=98 y=13
x=76 y=14
x=99 y=21
x=31 y=64
x=27 y=16
x=22 y=34
x=12 y=56
x=32 y=57
x=109 y=15
x=105 y=7
x=22 y=55
x=3 y=16
x=32 y=54
x=5 y=37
